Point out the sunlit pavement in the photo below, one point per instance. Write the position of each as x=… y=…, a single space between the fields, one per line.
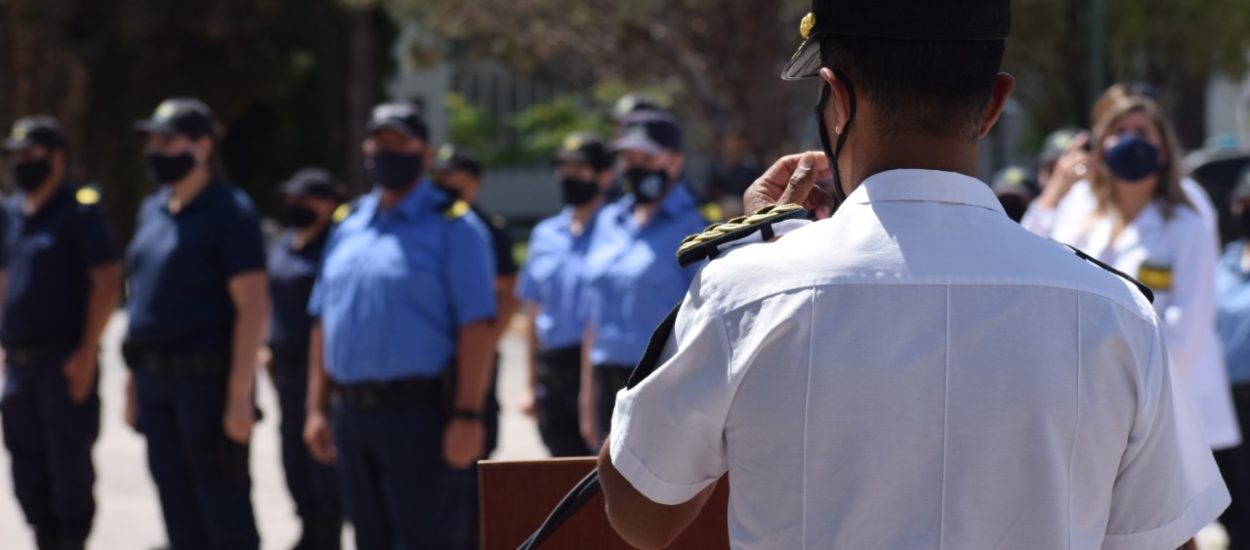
x=129 y=517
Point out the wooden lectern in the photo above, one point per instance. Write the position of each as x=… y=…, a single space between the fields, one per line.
x=517 y=496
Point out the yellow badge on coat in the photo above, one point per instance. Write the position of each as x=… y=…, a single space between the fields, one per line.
x=1156 y=276
x=87 y=196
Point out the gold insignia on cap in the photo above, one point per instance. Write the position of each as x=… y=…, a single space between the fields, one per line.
x=87 y=196
x=165 y=110
x=446 y=151
x=806 y=26
x=572 y=143
x=19 y=132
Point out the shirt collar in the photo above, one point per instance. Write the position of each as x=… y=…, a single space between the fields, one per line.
x=425 y=194
x=925 y=186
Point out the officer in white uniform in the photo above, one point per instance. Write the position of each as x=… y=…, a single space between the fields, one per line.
x=916 y=371
x=1172 y=248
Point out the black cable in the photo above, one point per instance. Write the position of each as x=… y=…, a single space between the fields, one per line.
x=588 y=487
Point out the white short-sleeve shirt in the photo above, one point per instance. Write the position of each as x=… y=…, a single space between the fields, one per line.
x=920 y=372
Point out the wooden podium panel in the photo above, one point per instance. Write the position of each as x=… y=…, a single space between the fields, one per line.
x=517 y=496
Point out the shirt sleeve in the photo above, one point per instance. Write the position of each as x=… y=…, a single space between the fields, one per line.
x=95 y=239
x=1168 y=487
x=243 y=248
x=1190 y=314
x=526 y=286
x=469 y=272
x=667 y=432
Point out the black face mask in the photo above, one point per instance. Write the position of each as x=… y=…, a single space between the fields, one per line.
x=394 y=171
x=299 y=216
x=448 y=190
x=167 y=169
x=578 y=192
x=646 y=186
x=28 y=175
x=831 y=153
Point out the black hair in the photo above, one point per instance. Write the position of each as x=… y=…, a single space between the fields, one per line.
x=936 y=88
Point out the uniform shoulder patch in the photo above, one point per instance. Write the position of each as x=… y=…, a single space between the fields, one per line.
x=710 y=243
x=456 y=210
x=341 y=213
x=712 y=212
x=87 y=196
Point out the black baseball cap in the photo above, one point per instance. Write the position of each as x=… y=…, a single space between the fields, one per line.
x=32 y=131
x=649 y=132
x=1057 y=143
x=1013 y=180
x=402 y=117
x=922 y=20
x=313 y=182
x=179 y=116
x=629 y=104
x=450 y=157
x=586 y=149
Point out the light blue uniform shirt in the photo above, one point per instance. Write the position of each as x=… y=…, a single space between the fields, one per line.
x=552 y=279
x=1232 y=286
x=632 y=277
x=396 y=286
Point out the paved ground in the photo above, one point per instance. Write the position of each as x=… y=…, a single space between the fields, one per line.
x=129 y=517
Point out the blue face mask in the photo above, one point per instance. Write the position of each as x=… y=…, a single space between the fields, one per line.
x=1132 y=159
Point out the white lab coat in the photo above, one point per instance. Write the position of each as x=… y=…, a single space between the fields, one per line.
x=1185 y=249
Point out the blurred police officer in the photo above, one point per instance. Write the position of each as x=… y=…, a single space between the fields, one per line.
x=198 y=306
x=459 y=174
x=551 y=283
x=632 y=280
x=1014 y=191
x=403 y=337
x=310 y=198
x=63 y=283
x=884 y=378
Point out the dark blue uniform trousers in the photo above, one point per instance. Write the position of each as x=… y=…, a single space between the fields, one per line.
x=201 y=475
x=313 y=485
x=49 y=438
x=398 y=491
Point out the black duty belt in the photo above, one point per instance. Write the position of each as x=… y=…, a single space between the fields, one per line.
x=163 y=363
x=561 y=356
x=34 y=354
x=392 y=393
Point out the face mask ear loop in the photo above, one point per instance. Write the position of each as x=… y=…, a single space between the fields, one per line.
x=839 y=192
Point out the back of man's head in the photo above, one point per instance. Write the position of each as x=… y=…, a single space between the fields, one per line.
x=926 y=87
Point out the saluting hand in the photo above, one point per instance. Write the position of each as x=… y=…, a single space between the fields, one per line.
x=792 y=179
x=80 y=372
x=463 y=442
x=239 y=418
x=1072 y=167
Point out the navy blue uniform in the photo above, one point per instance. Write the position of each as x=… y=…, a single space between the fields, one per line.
x=313 y=486
x=49 y=257
x=178 y=345
x=505 y=266
x=394 y=290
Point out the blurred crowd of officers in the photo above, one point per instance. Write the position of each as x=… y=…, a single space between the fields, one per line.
x=378 y=318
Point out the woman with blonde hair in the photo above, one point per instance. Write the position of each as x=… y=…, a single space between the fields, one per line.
x=1144 y=223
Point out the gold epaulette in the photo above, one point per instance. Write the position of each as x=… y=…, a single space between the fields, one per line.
x=707 y=245
x=456 y=210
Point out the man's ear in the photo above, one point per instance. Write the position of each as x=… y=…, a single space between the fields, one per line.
x=1004 y=84
x=839 y=101
x=204 y=148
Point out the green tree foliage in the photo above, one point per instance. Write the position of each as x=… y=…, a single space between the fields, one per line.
x=272 y=70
